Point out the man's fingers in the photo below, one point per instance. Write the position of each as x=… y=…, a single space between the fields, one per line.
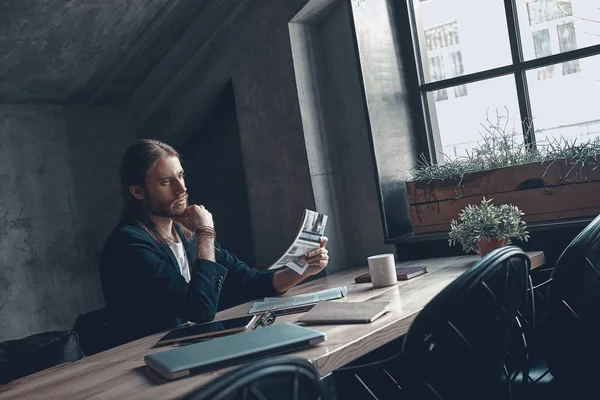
x=324 y=240
x=319 y=264
x=318 y=251
x=317 y=258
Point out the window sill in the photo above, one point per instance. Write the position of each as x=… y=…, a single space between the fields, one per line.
x=533 y=227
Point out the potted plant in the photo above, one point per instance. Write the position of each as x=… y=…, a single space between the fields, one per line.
x=485 y=227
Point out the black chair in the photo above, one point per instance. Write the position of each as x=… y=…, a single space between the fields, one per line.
x=34 y=353
x=457 y=345
x=95 y=331
x=567 y=355
x=573 y=322
x=281 y=378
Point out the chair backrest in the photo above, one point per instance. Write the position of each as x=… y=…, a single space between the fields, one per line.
x=457 y=345
x=281 y=377
x=572 y=326
x=95 y=331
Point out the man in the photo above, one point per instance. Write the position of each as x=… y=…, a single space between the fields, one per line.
x=162 y=264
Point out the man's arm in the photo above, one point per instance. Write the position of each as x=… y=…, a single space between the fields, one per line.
x=250 y=281
x=255 y=284
x=285 y=278
x=199 y=220
x=205 y=248
x=161 y=282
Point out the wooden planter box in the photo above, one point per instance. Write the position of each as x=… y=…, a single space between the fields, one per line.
x=542 y=197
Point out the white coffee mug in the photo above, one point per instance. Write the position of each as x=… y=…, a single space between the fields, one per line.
x=382 y=268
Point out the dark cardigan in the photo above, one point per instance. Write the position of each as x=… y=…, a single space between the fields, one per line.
x=145 y=292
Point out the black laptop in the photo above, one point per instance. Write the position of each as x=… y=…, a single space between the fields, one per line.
x=230 y=350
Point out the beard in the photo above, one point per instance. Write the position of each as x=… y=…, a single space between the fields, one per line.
x=175 y=208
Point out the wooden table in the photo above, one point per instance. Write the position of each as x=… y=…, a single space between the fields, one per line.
x=121 y=373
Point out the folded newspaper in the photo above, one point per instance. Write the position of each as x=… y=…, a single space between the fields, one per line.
x=281 y=303
x=307 y=239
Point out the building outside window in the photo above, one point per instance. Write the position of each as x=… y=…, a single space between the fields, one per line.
x=445 y=59
x=552 y=24
x=477 y=64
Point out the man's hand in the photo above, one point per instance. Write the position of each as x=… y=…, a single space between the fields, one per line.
x=195 y=217
x=317 y=259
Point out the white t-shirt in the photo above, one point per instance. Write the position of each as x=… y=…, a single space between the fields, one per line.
x=182 y=260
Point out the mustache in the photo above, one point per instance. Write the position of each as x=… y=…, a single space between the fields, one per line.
x=182 y=197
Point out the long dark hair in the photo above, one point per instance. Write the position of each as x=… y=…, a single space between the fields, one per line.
x=138 y=160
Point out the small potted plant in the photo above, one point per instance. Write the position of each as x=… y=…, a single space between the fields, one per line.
x=486 y=227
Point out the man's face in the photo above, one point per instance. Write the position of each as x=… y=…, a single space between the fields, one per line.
x=165 y=194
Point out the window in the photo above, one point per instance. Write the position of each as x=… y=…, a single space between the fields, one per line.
x=507 y=61
x=441 y=36
x=540 y=11
x=567 y=41
x=556 y=19
x=436 y=69
x=445 y=58
x=457 y=70
x=541 y=42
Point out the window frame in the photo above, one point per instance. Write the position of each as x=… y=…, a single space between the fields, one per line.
x=518 y=68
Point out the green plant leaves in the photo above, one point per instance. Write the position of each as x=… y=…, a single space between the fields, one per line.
x=487 y=221
x=501 y=146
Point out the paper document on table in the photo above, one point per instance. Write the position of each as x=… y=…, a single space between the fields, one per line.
x=279 y=303
x=307 y=239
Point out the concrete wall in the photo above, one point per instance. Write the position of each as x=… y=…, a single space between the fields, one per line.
x=336 y=134
x=214 y=175
x=59 y=198
x=61 y=52
x=272 y=137
x=281 y=172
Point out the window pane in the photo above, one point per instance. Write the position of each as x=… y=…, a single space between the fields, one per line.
x=457 y=69
x=567 y=105
x=436 y=66
x=458 y=120
x=566 y=36
x=475 y=30
x=541 y=42
x=566 y=42
x=570 y=24
x=540 y=11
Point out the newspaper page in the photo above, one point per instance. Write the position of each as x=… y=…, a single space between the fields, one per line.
x=279 y=303
x=308 y=239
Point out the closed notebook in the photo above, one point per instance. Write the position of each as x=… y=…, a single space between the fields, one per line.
x=402 y=273
x=331 y=312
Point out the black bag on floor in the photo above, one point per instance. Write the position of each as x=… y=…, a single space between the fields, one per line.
x=31 y=354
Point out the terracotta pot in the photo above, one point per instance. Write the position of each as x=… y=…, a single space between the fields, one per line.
x=486 y=246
